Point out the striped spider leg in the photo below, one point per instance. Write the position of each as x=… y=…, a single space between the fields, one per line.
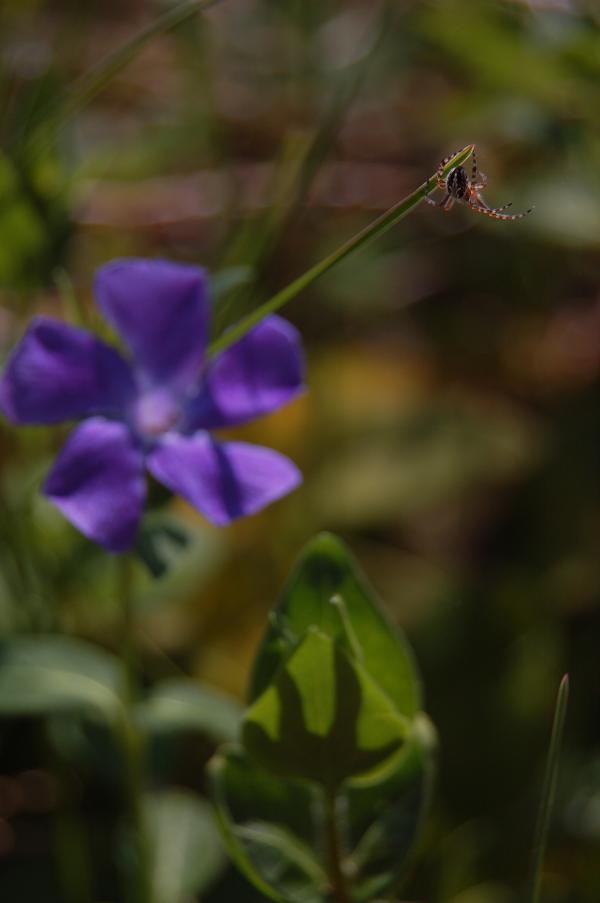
x=458 y=187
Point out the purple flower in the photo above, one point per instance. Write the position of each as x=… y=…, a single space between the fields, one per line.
x=156 y=409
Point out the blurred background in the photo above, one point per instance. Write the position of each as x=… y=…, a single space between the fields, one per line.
x=450 y=432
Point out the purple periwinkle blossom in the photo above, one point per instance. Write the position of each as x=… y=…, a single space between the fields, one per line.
x=156 y=409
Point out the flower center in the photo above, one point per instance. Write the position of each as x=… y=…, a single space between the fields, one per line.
x=156 y=413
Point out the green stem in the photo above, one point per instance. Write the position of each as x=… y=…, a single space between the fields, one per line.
x=128 y=646
x=69 y=838
x=548 y=793
x=74 y=309
x=378 y=227
x=338 y=886
x=302 y=157
x=132 y=747
x=98 y=77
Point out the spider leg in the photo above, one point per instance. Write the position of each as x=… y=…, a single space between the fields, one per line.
x=440 y=170
x=432 y=184
x=474 y=168
x=488 y=211
x=479 y=202
x=441 y=182
x=446 y=203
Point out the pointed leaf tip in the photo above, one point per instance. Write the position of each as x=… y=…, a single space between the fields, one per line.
x=326 y=569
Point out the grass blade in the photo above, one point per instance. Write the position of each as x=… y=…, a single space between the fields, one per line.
x=91 y=83
x=378 y=227
x=302 y=158
x=548 y=793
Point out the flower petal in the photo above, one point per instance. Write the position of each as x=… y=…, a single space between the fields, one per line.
x=257 y=375
x=98 y=483
x=160 y=309
x=58 y=372
x=223 y=481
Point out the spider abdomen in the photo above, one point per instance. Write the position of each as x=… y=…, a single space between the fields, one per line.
x=457 y=183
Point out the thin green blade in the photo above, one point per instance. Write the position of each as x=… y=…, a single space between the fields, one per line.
x=378 y=227
x=548 y=792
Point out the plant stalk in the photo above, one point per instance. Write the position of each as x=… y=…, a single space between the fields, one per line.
x=131 y=741
x=378 y=227
x=70 y=841
x=256 y=246
x=338 y=883
x=93 y=82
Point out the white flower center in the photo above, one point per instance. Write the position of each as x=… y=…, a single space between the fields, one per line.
x=156 y=412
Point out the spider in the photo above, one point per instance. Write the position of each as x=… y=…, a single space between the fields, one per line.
x=458 y=187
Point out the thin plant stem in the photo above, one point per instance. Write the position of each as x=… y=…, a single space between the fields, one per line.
x=548 y=793
x=375 y=229
x=338 y=884
x=74 y=309
x=128 y=646
x=45 y=132
x=301 y=160
x=131 y=741
x=69 y=837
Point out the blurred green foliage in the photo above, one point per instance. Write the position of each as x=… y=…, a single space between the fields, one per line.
x=333 y=781
x=451 y=430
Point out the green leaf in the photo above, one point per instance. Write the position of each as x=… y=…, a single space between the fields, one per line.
x=326 y=571
x=49 y=674
x=334 y=701
x=274 y=828
x=268 y=827
x=385 y=814
x=176 y=705
x=187 y=852
x=322 y=718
